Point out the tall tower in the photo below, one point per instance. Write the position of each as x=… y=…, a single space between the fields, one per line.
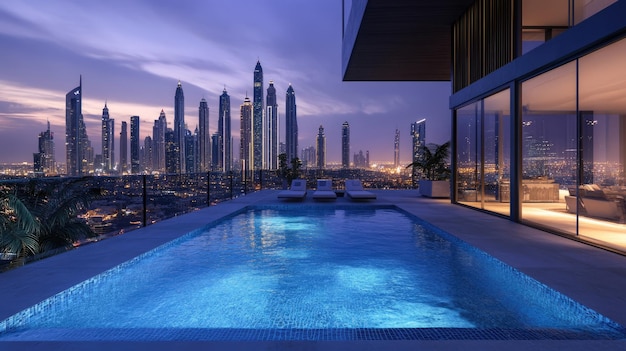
x=396 y=150
x=44 y=162
x=320 y=152
x=148 y=152
x=225 y=151
x=291 y=125
x=74 y=131
x=135 y=167
x=257 y=118
x=270 y=148
x=204 y=138
x=179 y=127
x=246 y=145
x=345 y=145
x=107 y=140
x=158 y=143
x=124 y=149
x=418 y=133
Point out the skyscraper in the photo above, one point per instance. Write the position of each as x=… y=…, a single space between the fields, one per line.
x=107 y=140
x=172 y=163
x=135 y=167
x=396 y=150
x=75 y=134
x=320 y=156
x=191 y=152
x=179 y=127
x=270 y=147
x=43 y=161
x=308 y=157
x=257 y=118
x=345 y=145
x=291 y=125
x=124 y=149
x=418 y=133
x=225 y=152
x=158 y=140
x=246 y=145
x=204 y=138
x=148 y=153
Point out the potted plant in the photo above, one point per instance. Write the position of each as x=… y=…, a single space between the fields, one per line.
x=435 y=171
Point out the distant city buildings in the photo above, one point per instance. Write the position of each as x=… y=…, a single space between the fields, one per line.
x=204 y=137
x=270 y=145
x=362 y=161
x=135 y=167
x=246 y=145
x=396 y=150
x=320 y=154
x=108 y=140
x=418 y=135
x=257 y=118
x=291 y=125
x=308 y=157
x=179 y=128
x=124 y=149
x=224 y=161
x=76 y=142
x=158 y=139
x=44 y=163
x=345 y=145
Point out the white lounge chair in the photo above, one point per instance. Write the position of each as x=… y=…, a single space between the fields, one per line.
x=324 y=190
x=297 y=191
x=355 y=191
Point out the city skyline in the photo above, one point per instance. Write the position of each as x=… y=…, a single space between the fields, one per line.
x=303 y=49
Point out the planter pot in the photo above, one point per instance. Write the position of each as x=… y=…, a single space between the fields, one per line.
x=435 y=188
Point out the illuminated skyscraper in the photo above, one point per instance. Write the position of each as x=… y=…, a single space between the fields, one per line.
x=246 y=146
x=270 y=147
x=158 y=143
x=204 y=138
x=148 y=153
x=291 y=125
x=396 y=150
x=345 y=145
x=108 y=140
x=418 y=133
x=76 y=142
x=320 y=155
x=124 y=149
x=135 y=167
x=43 y=161
x=179 y=127
x=257 y=118
x=224 y=160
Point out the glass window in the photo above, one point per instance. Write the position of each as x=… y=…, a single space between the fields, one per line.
x=549 y=149
x=483 y=153
x=584 y=9
x=602 y=104
x=543 y=20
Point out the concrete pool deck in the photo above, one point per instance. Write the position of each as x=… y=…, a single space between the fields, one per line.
x=594 y=277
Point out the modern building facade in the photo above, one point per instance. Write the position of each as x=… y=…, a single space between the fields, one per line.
x=135 y=165
x=123 y=167
x=158 y=141
x=76 y=141
x=257 y=117
x=418 y=138
x=291 y=125
x=204 y=137
x=396 y=149
x=246 y=152
x=270 y=145
x=320 y=149
x=345 y=145
x=538 y=114
x=224 y=161
x=108 y=140
x=44 y=163
x=179 y=127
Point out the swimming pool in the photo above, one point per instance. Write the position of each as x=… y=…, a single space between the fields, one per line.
x=305 y=273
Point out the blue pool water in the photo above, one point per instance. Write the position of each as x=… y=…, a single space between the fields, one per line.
x=273 y=273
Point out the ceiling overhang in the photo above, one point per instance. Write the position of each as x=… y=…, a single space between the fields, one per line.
x=400 y=40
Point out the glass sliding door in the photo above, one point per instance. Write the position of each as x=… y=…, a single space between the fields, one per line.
x=550 y=149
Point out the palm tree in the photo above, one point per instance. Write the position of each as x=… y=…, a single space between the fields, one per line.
x=434 y=165
x=42 y=215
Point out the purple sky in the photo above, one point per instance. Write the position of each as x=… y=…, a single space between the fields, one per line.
x=131 y=54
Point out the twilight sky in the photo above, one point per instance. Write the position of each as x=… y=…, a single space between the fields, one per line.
x=131 y=54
